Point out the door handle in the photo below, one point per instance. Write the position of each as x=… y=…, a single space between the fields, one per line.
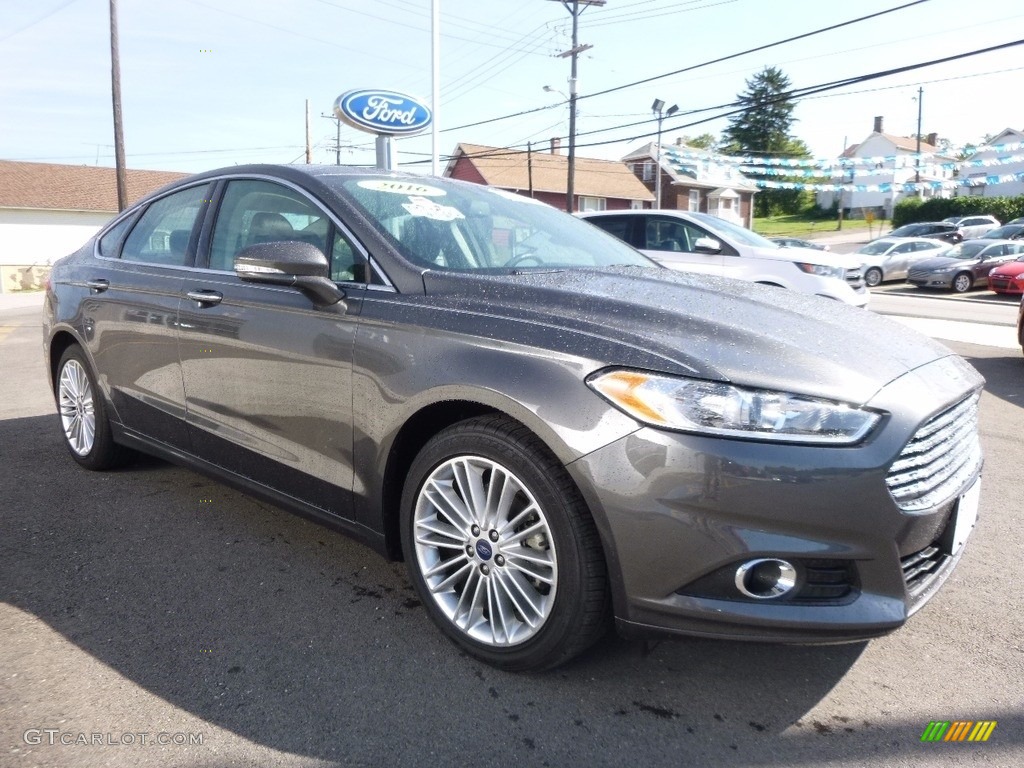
x=206 y=297
x=98 y=286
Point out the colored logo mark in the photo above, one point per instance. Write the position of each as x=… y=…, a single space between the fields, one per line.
x=958 y=730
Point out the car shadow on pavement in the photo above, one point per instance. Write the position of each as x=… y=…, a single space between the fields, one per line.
x=297 y=639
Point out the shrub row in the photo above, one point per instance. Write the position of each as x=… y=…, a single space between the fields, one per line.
x=914 y=209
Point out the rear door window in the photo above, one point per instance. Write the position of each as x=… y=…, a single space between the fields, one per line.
x=163 y=233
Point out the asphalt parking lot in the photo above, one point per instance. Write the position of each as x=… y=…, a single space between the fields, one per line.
x=154 y=601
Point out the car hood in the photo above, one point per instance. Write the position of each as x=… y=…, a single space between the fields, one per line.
x=941 y=262
x=808 y=255
x=689 y=324
x=1011 y=269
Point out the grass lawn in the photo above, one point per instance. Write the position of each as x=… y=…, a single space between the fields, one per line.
x=801 y=226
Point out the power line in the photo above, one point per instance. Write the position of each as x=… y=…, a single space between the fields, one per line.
x=694 y=66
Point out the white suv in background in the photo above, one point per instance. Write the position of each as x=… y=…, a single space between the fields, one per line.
x=697 y=242
x=972 y=227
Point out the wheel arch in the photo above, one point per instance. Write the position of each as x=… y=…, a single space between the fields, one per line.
x=58 y=345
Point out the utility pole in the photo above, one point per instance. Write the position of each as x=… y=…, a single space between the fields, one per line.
x=574 y=8
x=529 y=166
x=337 y=145
x=115 y=83
x=917 y=160
x=309 y=137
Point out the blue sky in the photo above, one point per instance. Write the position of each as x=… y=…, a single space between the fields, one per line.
x=211 y=83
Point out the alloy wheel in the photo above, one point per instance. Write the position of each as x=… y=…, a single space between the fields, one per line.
x=485 y=550
x=77 y=410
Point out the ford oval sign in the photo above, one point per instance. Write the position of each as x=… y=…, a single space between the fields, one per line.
x=382 y=112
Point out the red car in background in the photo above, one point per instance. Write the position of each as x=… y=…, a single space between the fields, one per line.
x=1008 y=278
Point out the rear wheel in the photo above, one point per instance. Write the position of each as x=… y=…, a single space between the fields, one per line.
x=873 y=277
x=963 y=282
x=83 y=414
x=501 y=548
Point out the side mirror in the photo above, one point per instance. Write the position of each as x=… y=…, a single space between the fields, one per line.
x=289 y=263
x=707 y=245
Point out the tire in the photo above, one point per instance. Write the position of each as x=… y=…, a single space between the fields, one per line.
x=83 y=415
x=962 y=282
x=873 y=277
x=519 y=583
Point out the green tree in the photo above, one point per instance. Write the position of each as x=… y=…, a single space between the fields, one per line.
x=706 y=141
x=762 y=127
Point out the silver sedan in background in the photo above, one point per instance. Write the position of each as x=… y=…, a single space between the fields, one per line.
x=890 y=258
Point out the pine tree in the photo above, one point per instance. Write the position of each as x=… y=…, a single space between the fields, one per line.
x=763 y=128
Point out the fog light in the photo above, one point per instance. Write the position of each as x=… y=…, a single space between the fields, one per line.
x=765 y=578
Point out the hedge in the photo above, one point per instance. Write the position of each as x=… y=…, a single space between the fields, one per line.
x=913 y=209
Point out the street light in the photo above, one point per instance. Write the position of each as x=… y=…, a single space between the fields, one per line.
x=658 y=107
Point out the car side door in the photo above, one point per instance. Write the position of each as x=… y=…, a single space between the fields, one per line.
x=267 y=370
x=897 y=261
x=679 y=244
x=130 y=318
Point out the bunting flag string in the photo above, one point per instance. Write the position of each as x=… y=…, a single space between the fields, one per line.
x=751 y=164
x=910 y=186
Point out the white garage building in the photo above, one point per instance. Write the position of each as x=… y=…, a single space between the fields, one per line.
x=48 y=211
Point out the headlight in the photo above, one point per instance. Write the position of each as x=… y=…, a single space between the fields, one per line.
x=717 y=408
x=822 y=271
x=943 y=270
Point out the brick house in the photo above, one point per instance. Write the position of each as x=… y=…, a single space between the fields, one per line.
x=598 y=185
x=48 y=211
x=695 y=180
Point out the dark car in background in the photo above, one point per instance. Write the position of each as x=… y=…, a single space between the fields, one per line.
x=550 y=429
x=965 y=265
x=939 y=230
x=1005 y=232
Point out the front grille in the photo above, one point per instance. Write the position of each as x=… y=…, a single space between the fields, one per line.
x=941 y=457
x=999 y=282
x=855 y=278
x=918 y=275
x=920 y=568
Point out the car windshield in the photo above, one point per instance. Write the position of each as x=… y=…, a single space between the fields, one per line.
x=735 y=231
x=952 y=219
x=965 y=250
x=877 y=247
x=467 y=227
x=1002 y=233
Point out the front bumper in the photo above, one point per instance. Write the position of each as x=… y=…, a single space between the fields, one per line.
x=941 y=280
x=679 y=513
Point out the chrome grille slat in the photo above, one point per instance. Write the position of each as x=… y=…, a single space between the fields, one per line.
x=938 y=460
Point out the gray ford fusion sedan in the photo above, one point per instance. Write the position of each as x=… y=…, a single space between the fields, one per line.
x=552 y=431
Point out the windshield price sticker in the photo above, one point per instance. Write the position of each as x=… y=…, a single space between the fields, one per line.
x=401 y=187
x=421 y=206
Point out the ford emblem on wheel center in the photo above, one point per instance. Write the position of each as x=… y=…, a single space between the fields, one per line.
x=382 y=112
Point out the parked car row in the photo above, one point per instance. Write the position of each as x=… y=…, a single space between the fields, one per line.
x=930 y=263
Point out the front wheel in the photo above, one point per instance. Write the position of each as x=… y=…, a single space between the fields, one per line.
x=873 y=277
x=963 y=282
x=501 y=548
x=83 y=414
